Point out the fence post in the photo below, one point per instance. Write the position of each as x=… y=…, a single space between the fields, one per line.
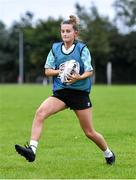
x=109 y=73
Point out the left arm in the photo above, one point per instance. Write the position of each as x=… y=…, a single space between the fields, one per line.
x=88 y=69
x=78 y=77
x=85 y=75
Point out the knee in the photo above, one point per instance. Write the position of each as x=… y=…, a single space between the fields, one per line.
x=40 y=114
x=90 y=134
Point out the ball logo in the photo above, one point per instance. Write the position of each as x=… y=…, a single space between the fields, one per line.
x=68 y=68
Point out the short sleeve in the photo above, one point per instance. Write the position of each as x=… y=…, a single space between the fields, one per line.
x=86 y=59
x=50 y=61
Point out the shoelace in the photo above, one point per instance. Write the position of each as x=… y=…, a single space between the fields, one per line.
x=27 y=145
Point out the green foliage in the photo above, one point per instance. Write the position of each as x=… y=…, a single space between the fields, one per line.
x=6 y=55
x=107 y=44
x=96 y=32
x=126 y=11
x=64 y=152
x=3 y=43
x=102 y=37
x=38 y=42
x=123 y=56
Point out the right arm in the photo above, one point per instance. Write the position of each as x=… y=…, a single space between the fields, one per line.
x=51 y=72
x=50 y=65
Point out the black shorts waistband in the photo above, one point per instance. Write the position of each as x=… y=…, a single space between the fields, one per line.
x=72 y=91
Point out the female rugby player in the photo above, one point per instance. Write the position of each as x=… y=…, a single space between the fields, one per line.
x=73 y=93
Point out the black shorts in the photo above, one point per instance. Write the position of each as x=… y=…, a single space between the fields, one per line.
x=75 y=99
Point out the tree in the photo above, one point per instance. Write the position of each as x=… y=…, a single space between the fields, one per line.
x=123 y=57
x=6 y=55
x=3 y=40
x=126 y=12
x=38 y=41
x=95 y=31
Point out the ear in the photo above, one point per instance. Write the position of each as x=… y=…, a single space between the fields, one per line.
x=76 y=33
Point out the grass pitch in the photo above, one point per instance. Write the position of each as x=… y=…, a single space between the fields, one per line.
x=64 y=151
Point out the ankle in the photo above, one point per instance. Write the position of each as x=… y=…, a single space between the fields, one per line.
x=108 y=153
x=33 y=144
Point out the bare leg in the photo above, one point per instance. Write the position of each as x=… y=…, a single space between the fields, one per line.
x=47 y=108
x=85 y=119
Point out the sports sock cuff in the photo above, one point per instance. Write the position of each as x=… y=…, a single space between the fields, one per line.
x=108 y=153
x=34 y=143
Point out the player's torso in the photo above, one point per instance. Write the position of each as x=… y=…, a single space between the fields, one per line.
x=61 y=57
x=75 y=54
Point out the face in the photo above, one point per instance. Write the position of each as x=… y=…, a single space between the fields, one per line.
x=68 y=34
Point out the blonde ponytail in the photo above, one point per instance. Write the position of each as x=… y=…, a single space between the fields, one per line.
x=74 y=21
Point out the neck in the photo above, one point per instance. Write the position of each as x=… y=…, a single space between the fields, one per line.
x=68 y=44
